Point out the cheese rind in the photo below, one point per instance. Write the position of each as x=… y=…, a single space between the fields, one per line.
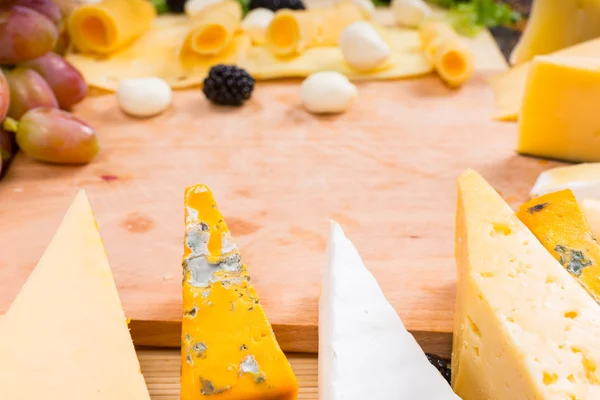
x=524 y=329
x=364 y=349
x=582 y=179
x=65 y=335
x=228 y=349
x=558 y=117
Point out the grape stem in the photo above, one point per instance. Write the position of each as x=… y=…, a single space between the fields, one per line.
x=10 y=125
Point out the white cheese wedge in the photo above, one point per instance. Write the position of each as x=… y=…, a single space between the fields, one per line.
x=582 y=179
x=65 y=335
x=591 y=210
x=524 y=328
x=365 y=352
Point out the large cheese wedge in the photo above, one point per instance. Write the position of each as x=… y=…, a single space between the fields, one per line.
x=558 y=119
x=524 y=328
x=214 y=28
x=291 y=32
x=228 y=348
x=365 y=352
x=556 y=24
x=156 y=54
x=509 y=86
x=560 y=225
x=69 y=314
x=582 y=179
x=109 y=25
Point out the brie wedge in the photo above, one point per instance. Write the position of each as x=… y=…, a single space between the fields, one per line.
x=582 y=179
x=365 y=352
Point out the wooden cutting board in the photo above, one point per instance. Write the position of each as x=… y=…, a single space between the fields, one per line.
x=385 y=170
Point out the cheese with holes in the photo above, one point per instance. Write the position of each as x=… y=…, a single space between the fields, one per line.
x=556 y=24
x=109 y=25
x=509 y=86
x=65 y=335
x=524 y=328
x=228 y=348
x=582 y=179
x=558 y=117
x=365 y=352
x=560 y=225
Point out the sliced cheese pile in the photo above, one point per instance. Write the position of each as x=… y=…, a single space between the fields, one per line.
x=524 y=328
x=157 y=54
x=509 y=86
x=228 y=348
x=582 y=179
x=214 y=28
x=365 y=352
x=558 y=117
x=451 y=57
x=65 y=335
x=561 y=226
x=110 y=25
x=554 y=25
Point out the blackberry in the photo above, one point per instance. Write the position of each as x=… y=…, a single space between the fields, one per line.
x=441 y=365
x=228 y=85
x=176 y=6
x=275 y=5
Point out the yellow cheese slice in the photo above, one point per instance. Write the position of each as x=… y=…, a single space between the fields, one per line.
x=554 y=25
x=406 y=60
x=558 y=117
x=509 y=86
x=291 y=32
x=69 y=314
x=157 y=54
x=214 y=28
x=524 y=328
x=228 y=348
x=110 y=25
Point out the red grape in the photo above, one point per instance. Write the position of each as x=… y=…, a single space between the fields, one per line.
x=28 y=90
x=66 y=82
x=25 y=34
x=56 y=136
x=4 y=96
x=44 y=7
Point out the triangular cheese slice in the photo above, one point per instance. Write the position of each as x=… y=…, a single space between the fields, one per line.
x=229 y=350
x=365 y=352
x=524 y=328
x=65 y=335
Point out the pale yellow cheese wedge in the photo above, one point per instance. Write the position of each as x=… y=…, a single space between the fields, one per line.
x=213 y=28
x=406 y=60
x=582 y=179
x=69 y=312
x=157 y=54
x=509 y=86
x=591 y=210
x=292 y=32
x=523 y=328
x=109 y=25
x=556 y=24
x=559 y=119
x=452 y=59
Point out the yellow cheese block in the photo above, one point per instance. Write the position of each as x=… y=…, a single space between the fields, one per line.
x=556 y=24
x=69 y=315
x=509 y=86
x=591 y=209
x=560 y=225
x=228 y=348
x=214 y=28
x=157 y=54
x=452 y=59
x=291 y=32
x=558 y=117
x=110 y=25
x=524 y=328
x=406 y=60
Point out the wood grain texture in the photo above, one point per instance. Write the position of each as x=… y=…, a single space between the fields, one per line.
x=385 y=170
x=161 y=371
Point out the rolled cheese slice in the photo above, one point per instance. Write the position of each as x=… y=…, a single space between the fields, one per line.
x=214 y=28
x=110 y=25
x=293 y=31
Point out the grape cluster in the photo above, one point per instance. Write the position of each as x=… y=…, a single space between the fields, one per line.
x=38 y=87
